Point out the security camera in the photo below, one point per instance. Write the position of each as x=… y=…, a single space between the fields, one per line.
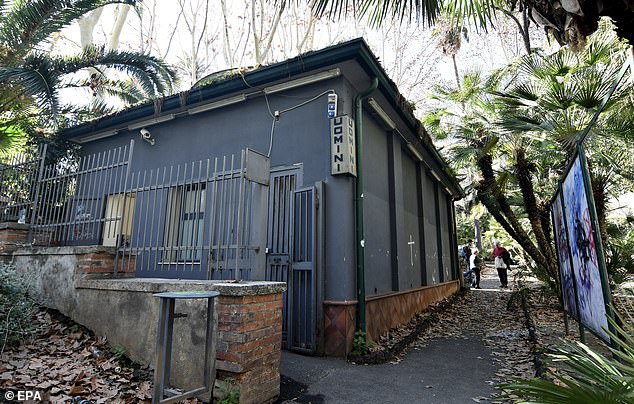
x=147 y=136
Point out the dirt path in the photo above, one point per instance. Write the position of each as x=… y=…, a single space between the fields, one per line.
x=495 y=316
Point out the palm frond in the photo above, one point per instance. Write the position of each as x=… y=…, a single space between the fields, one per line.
x=587 y=377
x=478 y=12
x=24 y=24
x=589 y=87
x=154 y=76
x=380 y=11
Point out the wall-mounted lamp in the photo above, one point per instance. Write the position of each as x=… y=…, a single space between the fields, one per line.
x=314 y=78
x=150 y=122
x=97 y=136
x=382 y=114
x=147 y=136
x=415 y=152
x=217 y=104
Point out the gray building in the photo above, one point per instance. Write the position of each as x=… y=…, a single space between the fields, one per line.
x=176 y=208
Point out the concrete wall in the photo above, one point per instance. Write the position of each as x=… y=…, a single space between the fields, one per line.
x=248 y=317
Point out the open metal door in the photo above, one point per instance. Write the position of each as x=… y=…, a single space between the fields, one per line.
x=280 y=233
x=303 y=282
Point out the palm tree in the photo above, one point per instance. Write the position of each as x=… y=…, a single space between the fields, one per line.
x=520 y=127
x=31 y=79
x=468 y=121
x=569 y=21
x=553 y=99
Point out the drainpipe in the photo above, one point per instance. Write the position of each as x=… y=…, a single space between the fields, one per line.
x=360 y=235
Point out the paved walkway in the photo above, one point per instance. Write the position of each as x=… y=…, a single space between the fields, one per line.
x=458 y=360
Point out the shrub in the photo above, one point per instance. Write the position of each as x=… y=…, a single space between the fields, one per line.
x=588 y=376
x=16 y=307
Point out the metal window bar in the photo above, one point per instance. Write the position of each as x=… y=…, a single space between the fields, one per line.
x=195 y=218
x=192 y=220
x=72 y=195
x=18 y=185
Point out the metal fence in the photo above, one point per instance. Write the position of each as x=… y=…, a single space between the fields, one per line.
x=71 y=195
x=18 y=176
x=200 y=220
x=205 y=219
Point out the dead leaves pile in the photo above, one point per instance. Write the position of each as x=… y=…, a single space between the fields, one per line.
x=66 y=361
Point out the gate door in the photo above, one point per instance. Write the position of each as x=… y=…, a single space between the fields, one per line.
x=302 y=324
x=281 y=194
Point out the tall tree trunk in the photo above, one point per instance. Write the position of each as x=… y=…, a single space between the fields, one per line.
x=493 y=199
x=228 y=51
x=599 y=186
x=87 y=25
x=523 y=171
x=122 y=15
x=455 y=70
x=525 y=31
x=522 y=27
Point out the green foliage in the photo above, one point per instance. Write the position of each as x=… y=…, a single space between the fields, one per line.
x=511 y=135
x=619 y=250
x=32 y=81
x=587 y=375
x=118 y=352
x=229 y=392
x=16 y=307
x=360 y=344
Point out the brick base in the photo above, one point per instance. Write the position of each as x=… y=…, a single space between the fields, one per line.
x=382 y=314
x=339 y=327
x=101 y=262
x=249 y=344
x=13 y=236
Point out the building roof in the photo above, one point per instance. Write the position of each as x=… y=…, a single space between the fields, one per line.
x=235 y=81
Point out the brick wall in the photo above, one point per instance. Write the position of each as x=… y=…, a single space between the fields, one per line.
x=12 y=237
x=100 y=261
x=249 y=344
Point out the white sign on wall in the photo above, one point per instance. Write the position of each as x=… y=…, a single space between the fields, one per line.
x=342 y=137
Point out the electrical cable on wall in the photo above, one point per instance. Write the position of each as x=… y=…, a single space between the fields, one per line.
x=275 y=115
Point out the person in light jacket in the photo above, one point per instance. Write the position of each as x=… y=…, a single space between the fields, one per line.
x=501 y=264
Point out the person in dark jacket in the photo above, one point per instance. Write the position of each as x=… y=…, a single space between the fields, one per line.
x=474 y=263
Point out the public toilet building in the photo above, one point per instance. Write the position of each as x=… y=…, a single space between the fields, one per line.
x=254 y=176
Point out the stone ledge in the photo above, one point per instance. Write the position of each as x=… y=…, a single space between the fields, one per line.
x=13 y=226
x=67 y=250
x=156 y=285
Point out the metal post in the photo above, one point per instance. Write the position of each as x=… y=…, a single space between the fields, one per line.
x=123 y=207
x=360 y=234
x=37 y=193
x=163 y=348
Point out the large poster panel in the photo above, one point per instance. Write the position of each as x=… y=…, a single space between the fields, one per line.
x=592 y=311
x=565 y=263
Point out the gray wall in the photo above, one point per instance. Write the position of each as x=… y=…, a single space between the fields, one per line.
x=303 y=136
x=409 y=257
x=376 y=209
x=431 y=246
x=445 y=234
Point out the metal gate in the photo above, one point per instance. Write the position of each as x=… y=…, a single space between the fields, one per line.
x=302 y=322
x=291 y=252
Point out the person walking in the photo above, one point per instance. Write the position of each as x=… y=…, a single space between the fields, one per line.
x=474 y=263
x=501 y=264
x=465 y=253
